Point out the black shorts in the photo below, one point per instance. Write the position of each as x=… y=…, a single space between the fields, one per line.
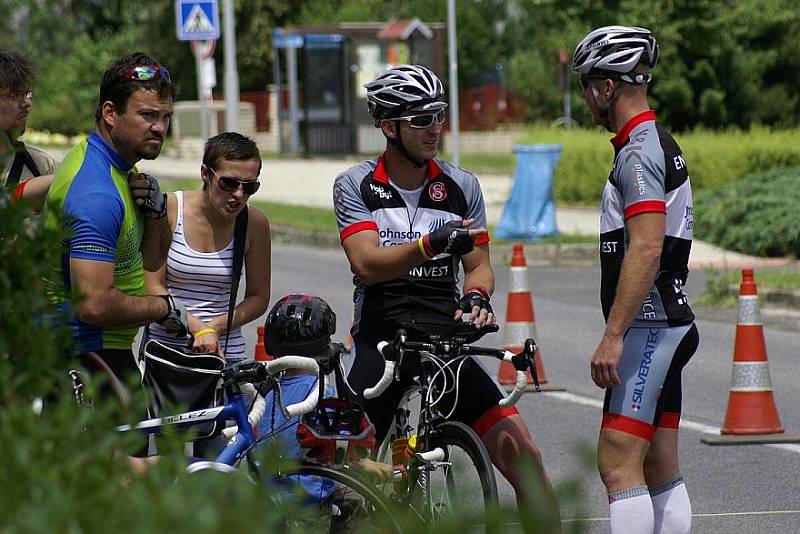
x=478 y=396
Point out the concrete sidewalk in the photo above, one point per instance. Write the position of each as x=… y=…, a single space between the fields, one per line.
x=308 y=182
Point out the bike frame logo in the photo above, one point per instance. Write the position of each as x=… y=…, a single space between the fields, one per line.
x=437 y=191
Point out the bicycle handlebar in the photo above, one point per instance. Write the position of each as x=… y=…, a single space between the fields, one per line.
x=386 y=379
x=393 y=352
x=248 y=372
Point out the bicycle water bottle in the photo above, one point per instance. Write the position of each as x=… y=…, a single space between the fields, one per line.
x=402 y=451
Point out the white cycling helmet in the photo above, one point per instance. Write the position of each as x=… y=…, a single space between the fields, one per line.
x=616 y=51
x=404 y=88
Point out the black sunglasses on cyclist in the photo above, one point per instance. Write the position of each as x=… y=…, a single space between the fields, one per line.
x=230 y=184
x=144 y=73
x=423 y=120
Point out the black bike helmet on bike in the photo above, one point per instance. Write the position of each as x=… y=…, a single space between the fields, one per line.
x=300 y=325
x=403 y=89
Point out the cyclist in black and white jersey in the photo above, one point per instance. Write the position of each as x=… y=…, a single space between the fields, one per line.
x=645 y=239
x=407 y=223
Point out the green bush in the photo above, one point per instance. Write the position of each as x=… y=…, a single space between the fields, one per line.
x=756 y=215
x=713 y=158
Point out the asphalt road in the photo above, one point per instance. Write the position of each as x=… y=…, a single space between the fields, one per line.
x=733 y=489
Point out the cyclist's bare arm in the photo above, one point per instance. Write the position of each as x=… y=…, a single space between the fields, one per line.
x=373 y=263
x=478 y=273
x=98 y=302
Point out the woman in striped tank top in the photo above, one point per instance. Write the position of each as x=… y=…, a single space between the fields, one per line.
x=200 y=260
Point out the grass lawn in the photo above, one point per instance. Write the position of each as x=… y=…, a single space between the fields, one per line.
x=719 y=282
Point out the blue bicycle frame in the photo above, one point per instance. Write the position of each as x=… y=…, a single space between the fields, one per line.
x=235 y=409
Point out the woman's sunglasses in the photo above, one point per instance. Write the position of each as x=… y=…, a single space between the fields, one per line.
x=144 y=73
x=230 y=184
x=423 y=121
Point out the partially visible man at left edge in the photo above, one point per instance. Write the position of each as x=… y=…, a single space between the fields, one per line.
x=25 y=169
x=102 y=263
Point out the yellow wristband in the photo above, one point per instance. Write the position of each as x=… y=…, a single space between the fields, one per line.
x=205 y=331
x=422 y=249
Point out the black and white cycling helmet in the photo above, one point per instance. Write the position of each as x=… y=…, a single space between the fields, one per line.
x=404 y=88
x=616 y=51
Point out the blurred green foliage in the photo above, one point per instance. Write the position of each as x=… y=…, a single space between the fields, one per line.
x=723 y=62
x=713 y=158
x=757 y=215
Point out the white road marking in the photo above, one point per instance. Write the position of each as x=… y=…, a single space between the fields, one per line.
x=716 y=514
x=685 y=423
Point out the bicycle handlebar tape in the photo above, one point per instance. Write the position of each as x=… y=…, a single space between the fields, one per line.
x=520 y=323
x=751 y=406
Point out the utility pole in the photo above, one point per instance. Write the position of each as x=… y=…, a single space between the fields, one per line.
x=231 y=72
x=452 y=55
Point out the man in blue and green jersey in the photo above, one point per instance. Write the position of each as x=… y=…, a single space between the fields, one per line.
x=102 y=261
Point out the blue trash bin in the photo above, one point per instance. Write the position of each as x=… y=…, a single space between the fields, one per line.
x=530 y=213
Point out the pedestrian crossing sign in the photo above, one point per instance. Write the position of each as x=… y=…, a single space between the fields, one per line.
x=197 y=20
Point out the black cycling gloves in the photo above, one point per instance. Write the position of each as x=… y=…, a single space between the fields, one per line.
x=475 y=296
x=450 y=238
x=148 y=196
x=176 y=320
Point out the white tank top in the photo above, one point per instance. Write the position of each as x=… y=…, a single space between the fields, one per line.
x=202 y=281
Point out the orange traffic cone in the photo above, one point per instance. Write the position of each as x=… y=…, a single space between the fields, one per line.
x=751 y=406
x=260 y=353
x=520 y=323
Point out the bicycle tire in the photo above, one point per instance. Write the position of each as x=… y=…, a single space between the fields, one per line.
x=457 y=492
x=376 y=511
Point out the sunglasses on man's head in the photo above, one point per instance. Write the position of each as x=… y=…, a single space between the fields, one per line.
x=230 y=184
x=144 y=73
x=423 y=120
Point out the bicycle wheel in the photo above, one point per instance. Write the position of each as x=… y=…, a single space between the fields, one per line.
x=463 y=483
x=356 y=507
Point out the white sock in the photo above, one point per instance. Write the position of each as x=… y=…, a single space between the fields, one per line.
x=673 y=511
x=631 y=511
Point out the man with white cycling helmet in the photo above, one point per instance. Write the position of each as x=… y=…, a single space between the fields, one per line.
x=645 y=240
x=407 y=222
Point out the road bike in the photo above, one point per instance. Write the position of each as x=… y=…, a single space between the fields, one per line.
x=448 y=469
x=240 y=382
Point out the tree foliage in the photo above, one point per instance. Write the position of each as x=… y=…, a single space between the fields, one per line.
x=723 y=62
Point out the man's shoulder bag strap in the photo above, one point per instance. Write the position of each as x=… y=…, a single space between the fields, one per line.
x=21 y=159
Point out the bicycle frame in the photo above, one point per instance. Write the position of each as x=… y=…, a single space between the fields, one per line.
x=235 y=410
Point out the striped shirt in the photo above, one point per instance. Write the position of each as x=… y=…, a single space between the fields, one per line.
x=202 y=281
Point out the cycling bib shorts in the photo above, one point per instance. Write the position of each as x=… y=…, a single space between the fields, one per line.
x=649 y=395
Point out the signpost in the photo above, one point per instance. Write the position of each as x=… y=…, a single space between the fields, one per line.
x=291 y=42
x=198 y=21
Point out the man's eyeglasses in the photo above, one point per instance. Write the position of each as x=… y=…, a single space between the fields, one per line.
x=423 y=120
x=144 y=73
x=20 y=95
x=230 y=184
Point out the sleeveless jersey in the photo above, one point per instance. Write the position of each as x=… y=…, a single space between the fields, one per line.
x=649 y=175
x=202 y=281
x=91 y=199
x=364 y=199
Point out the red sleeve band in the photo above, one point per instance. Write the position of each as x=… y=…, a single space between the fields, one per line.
x=357 y=227
x=645 y=206
x=19 y=190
